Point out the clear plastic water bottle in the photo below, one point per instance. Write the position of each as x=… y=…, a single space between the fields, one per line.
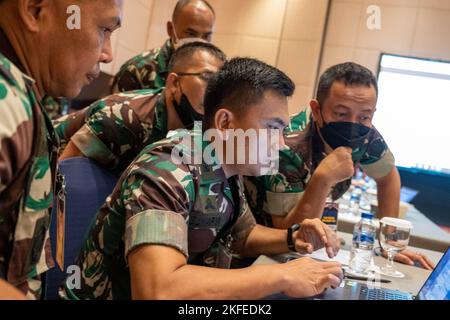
x=363 y=241
x=363 y=197
x=367 y=198
x=355 y=198
x=359 y=175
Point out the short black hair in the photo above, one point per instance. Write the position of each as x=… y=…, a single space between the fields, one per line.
x=186 y=51
x=242 y=82
x=183 y=3
x=349 y=73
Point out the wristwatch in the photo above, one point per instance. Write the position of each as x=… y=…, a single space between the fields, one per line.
x=290 y=241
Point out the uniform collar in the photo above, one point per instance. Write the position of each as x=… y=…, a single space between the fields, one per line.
x=211 y=174
x=165 y=55
x=7 y=50
x=159 y=130
x=210 y=171
x=216 y=174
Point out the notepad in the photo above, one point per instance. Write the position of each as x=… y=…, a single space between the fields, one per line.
x=343 y=256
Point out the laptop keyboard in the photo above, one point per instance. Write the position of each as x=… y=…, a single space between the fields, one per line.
x=380 y=294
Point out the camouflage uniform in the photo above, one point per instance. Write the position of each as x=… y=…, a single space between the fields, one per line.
x=27 y=167
x=159 y=202
x=145 y=71
x=115 y=129
x=55 y=107
x=278 y=194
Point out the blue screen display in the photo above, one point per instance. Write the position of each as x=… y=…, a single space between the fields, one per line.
x=437 y=286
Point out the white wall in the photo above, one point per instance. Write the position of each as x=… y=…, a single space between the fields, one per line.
x=288 y=33
x=132 y=38
x=408 y=27
x=284 y=33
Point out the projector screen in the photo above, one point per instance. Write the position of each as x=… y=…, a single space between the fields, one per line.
x=413 y=112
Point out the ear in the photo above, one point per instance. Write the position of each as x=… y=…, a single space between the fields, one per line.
x=170 y=27
x=315 y=108
x=172 y=83
x=30 y=12
x=223 y=120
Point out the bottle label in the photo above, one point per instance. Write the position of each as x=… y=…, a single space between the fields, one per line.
x=363 y=237
x=367 y=238
x=330 y=215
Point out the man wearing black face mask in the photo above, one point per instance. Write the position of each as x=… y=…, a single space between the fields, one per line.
x=186 y=112
x=115 y=129
x=327 y=141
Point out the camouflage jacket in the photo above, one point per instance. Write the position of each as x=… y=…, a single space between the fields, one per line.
x=278 y=194
x=160 y=202
x=55 y=107
x=145 y=71
x=28 y=149
x=115 y=129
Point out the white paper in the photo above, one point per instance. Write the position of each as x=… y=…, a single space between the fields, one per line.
x=342 y=257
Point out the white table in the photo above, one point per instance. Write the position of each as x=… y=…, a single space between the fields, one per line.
x=425 y=234
x=412 y=282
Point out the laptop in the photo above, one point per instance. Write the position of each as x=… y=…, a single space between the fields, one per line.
x=436 y=287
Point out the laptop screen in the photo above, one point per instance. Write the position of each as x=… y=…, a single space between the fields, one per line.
x=437 y=286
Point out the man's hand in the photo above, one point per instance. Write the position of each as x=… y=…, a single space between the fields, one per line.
x=336 y=167
x=314 y=235
x=308 y=278
x=413 y=258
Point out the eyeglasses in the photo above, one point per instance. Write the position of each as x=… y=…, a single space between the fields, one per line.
x=205 y=76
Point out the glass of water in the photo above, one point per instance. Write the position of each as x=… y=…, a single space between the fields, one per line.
x=394 y=238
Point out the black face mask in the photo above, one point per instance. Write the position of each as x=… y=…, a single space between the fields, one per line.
x=186 y=112
x=345 y=134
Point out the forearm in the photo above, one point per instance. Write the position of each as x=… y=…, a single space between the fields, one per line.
x=8 y=292
x=389 y=194
x=197 y=283
x=264 y=240
x=310 y=205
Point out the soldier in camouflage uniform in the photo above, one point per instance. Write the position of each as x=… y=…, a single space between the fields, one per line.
x=326 y=142
x=167 y=229
x=276 y=200
x=28 y=143
x=115 y=129
x=191 y=20
x=275 y=196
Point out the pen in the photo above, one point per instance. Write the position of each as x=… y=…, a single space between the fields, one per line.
x=366 y=278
